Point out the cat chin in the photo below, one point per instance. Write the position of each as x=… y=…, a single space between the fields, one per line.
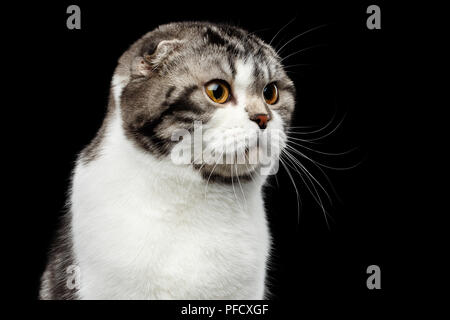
x=248 y=165
x=229 y=173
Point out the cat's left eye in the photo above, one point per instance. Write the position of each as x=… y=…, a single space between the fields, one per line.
x=270 y=93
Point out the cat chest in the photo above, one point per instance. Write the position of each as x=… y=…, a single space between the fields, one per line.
x=167 y=258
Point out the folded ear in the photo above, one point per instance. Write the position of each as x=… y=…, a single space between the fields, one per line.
x=153 y=55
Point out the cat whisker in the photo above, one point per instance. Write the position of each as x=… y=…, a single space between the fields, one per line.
x=299 y=35
x=295 y=187
x=327 y=178
x=320 y=128
x=246 y=166
x=331 y=132
x=314 y=192
x=282 y=28
x=319 y=165
x=317 y=162
x=313 y=140
x=210 y=174
x=322 y=152
x=276 y=180
x=240 y=185
x=315 y=131
x=298 y=65
x=300 y=139
x=290 y=71
x=234 y=190
x=301 y=127
x=303 y=168
x=316 y=165
x=301 y=50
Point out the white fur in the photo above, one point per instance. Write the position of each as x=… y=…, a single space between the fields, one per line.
x=117 y=84
x=146 y=229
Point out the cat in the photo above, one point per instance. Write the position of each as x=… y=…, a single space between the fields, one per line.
x=140 y=226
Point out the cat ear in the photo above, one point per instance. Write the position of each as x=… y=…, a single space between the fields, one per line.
x=153 y=57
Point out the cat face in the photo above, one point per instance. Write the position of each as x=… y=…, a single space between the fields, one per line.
x=217 y=79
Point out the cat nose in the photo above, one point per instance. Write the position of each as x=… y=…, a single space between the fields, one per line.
x=261 y=119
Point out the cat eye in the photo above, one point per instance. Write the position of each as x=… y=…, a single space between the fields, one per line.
x=218 y=91
x=270 y=93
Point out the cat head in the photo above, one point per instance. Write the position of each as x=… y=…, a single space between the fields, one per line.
x=219 y=80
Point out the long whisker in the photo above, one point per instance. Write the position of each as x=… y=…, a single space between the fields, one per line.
x=303 y=168
x=279 y=31
x=276 y=180
x=298 y=65
x=295 y=187
x=301 y=50
x=240 y=185
x=322 y=152
x=249 y=171
x=326 y=177
x=318 y=130
x=299 y=35
x=320 y=163
x=300 y=139
x=210 y=174
x=301 y=127
x=331 y=132
x=317 y=166
x=232 y=183
x=315 y=194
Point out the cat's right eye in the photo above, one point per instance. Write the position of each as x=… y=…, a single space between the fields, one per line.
x=218 y=91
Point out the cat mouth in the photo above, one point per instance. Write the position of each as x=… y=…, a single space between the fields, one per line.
x=227 y=173
x=244 y=166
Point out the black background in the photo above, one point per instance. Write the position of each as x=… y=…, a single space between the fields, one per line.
x=347 y=75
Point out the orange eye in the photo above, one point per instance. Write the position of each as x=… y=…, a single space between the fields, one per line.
x=218 y=91
x=270 y=93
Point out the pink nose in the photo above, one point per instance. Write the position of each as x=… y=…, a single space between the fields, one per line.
x=261 y=119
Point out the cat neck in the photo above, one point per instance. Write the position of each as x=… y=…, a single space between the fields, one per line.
x=129 y=166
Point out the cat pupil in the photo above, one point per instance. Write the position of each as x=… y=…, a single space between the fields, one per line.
x=217 y=91
x=267 y=93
